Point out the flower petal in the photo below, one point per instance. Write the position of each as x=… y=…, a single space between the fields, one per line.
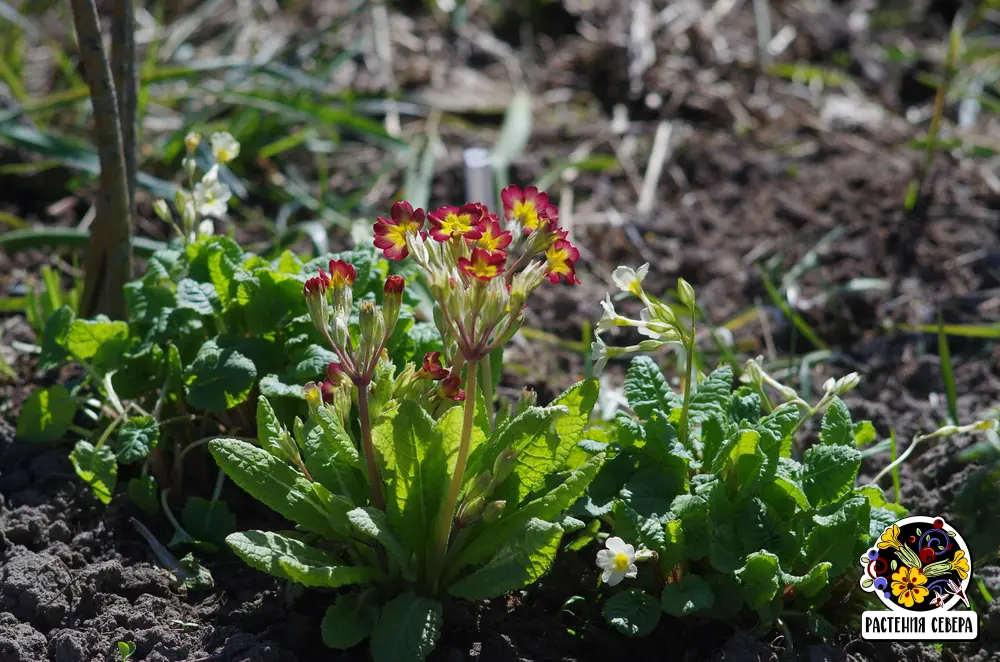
x=605 y=559
x=633 y=570
x=616 y=545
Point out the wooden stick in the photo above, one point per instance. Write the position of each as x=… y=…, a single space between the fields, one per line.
x=109 y=258
x=123 y=69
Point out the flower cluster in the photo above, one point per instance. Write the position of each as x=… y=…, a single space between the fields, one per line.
x=656 y=320
x=330 y=299
x=481 y=268
x=205 y=199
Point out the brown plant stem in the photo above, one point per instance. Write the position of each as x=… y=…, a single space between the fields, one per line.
x=108 y=264
x=123 y=69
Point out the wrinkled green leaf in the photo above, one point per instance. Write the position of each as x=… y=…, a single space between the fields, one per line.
x=760 y=579
x=373 y=524
x=645 y=387
x=632 y=612
x=688 y=596
x=218 y=379
x=829 y=471
x=97 y=467
x=837 y=427
x=514 y=566
x=46 y=415
x=136 y=438
x=350 y=620
x=712 y=395
x=280 y=487
x=144 y=494
x=407 y=630
x=296 y=561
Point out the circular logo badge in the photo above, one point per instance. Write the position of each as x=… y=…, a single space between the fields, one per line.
x=918 y=564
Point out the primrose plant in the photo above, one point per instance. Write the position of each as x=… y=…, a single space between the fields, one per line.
x=713 y=486
x=408 y=482
x=209 y=327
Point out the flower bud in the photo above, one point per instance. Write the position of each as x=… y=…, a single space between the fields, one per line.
x=192 y=140
x=495 y=300
x=313 y=396
x=432 y=366
x=392 y=301
x=752 y=374
x=371 y=323
x=645 y=555
x=504 y=465
x=492 y=511
x=163 y=211
x=470 y=511
x=335 y=373
x=189 y=216
x=314 y=291
x=650 y=345
x=685 y=293
x=449 y=387
x=339 y=332
x=481 y=486
x=328 y=388
x=190 y=165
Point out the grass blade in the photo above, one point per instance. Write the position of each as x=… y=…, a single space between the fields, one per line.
x=19 y=240
x=947 y=373
x=796 y=319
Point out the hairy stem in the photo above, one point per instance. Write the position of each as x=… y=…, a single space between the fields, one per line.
x=109 y=259
x=369 y=447
x=448 y=508
x=689 y=370
x=488 y=391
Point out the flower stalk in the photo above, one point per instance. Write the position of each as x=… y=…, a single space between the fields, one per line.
x=451 y=500
x=369 y=448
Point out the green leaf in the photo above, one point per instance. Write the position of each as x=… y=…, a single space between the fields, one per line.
x=272 y=387
x=837 y=427
x=280 y=487
x=835 y=537
x=296 y=561
x=144 y=494
x=744 y=405
x=97 y=467
x=46 y=415
x=713 y=439
x=810 y=583
x=775 y=438
x=349 y=620
x=218 y=379
x=864 y=433
x=136 y=438
x=373 y=524
x=712 y=395
x=646 y=388
x=99 y=341
x=760 y=579
x=331 y=458
x=691 y=511
x=487 y=538
x=208 y=521
x=632 y=612
x=54 y=338
x=519 y=563
x=416 y=464
x=407 y=629
x=688 y=596
x=269 y=429
x=221 y=269
x=199 y=297
x=829 y=472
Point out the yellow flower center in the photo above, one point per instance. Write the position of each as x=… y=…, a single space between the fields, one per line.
x=621 y=562
x=397 y=233
x=453 y=224
x=525 y=213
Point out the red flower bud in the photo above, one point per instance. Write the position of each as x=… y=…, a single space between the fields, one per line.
x=333 y=371
x=328 y=388
x=433 y=367
x=394 y=285
x=342 y=273
x=450 y=388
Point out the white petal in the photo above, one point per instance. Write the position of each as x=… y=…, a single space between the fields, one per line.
x=623 y=277
x=633 y=570
x=629 y=552
x=616 y=545
x=615 y=578
x=211 y=177
x=605 y=559
x=607 y=574
x=206 y=228
x=642 y=271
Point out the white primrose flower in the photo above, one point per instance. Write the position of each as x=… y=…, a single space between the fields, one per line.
x=655 y=329
x=611 y=317
x=206 y=228
x=225 y=148
x=211 y=197
x=629 y=280
x=617 y=561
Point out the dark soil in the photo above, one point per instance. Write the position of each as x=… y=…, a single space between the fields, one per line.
x=760 y=171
